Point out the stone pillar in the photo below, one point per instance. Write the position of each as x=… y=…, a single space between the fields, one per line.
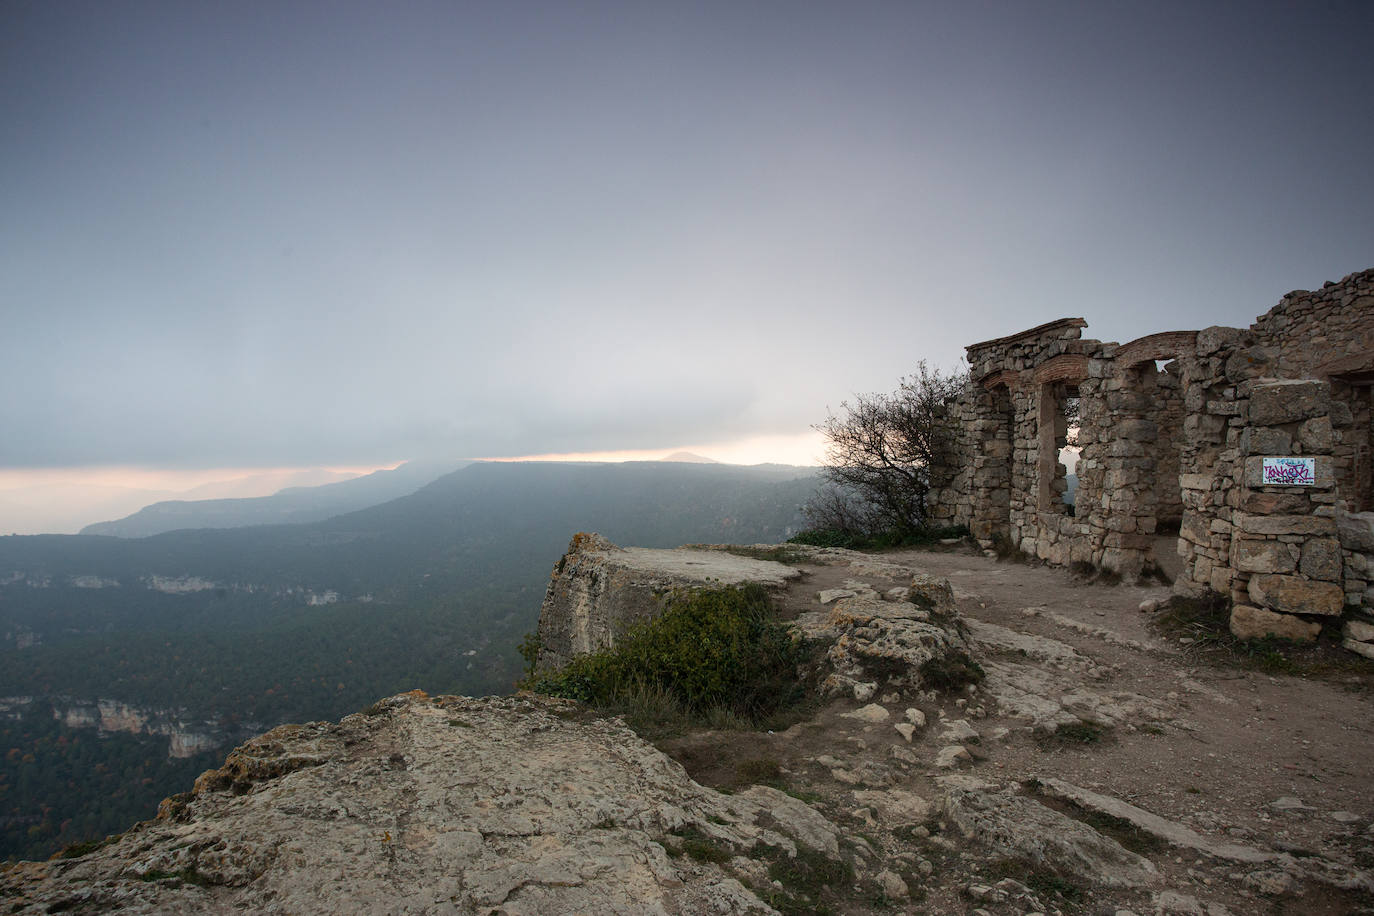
x=994 y=431
x=1285 y=551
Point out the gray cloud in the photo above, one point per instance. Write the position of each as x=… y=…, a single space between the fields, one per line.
x=292 y=235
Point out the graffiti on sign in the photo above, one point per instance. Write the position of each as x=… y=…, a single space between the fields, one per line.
x=1290 y=471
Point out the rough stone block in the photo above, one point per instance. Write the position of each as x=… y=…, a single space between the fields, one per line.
x=1284 y=524
x=1359 y=630
x=1248 y=622
x=1124 y=448
x=1316 y=435
x=1362 y=648
x=1138 y=430
x=1202 y=569
x=1274 y=503
x=1251 y=363
x=1265 y=440
x=1296 y=595
x=1288 y=401
x=1262 y=556
x=1220 y=580
x=1195 y=481
x=1119 y=539
x=1210 y=340
x=1194 y=529
x=1357 y=531
x=1321 y=559
x=1202 y=429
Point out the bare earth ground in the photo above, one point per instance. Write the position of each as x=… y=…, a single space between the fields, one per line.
x=1279 y=764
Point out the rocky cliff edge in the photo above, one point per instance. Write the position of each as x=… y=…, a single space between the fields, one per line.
x=503 y=805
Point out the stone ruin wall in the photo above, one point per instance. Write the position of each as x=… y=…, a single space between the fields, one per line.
x=1173 y=431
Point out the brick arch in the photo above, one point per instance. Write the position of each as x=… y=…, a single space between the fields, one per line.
x=1007 y=377
x=1168 y=345
x=1066 y=367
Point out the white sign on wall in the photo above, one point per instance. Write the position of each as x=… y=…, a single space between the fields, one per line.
x=1290 y=472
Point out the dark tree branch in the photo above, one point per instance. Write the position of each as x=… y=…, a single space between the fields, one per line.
x=881 y=449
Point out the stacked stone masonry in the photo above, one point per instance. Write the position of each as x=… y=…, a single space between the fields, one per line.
x=1178 y=436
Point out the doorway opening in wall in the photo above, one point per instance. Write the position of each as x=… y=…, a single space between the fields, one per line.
x=1059 y=409
x=1162 y=384
x=1069 y=452
x=1350 y=460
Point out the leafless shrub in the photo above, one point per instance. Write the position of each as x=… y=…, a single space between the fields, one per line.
x=881 y=451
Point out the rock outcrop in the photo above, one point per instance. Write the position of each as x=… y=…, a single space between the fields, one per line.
x=887 y=640
x=598 y=591
x=446 y=804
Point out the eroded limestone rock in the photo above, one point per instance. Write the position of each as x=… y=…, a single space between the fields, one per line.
x=447 y=804
x=598 y=591
x=1020 y=827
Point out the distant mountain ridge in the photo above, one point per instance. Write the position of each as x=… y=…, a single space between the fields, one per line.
x=292 y=505
x=690 y=458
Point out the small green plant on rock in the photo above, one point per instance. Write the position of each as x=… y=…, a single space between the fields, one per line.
x=1044 y=881
x=77 y=850
x=951 y=671
x=763 y=771
x=529 y=650
x=884 y=540
x=1074 y=733
x=698 y=846
x=712 y=652
x=812 y=882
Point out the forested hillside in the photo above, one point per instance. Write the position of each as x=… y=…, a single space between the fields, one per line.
x=293 y=505
x=251 y=627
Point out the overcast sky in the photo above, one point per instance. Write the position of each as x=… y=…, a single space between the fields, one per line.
x=283 y=234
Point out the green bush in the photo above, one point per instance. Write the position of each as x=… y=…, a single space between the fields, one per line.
x=710 y=650
x=835 y=537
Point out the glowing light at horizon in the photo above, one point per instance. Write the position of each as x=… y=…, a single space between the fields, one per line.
x=803 y=449
x=159 y=479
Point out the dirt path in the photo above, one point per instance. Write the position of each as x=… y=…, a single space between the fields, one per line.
x=1278 y=765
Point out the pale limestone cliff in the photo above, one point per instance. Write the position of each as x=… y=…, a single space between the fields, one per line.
x=186 y=737
x=598 y=590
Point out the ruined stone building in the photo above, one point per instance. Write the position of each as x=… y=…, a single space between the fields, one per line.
x=1232 y=460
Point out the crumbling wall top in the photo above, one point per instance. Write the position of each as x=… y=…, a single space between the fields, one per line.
x=1039 y=330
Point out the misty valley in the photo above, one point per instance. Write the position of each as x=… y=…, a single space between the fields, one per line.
x=130 y=664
